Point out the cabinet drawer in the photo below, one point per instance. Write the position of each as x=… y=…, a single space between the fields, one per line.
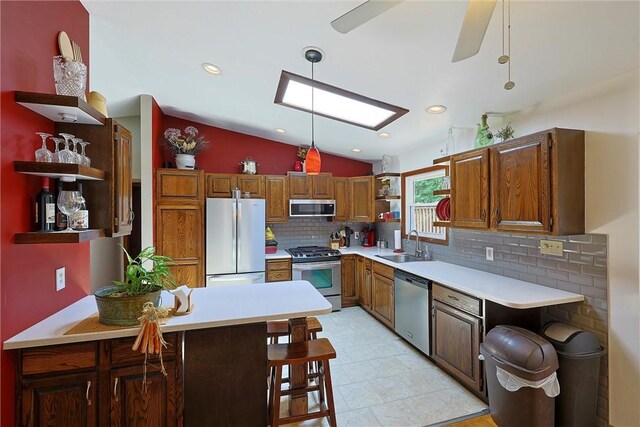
x=279 y=265
x=59 y=358
x=383 y=270
x=458 y=300
x=121 y=350
x=278 y=275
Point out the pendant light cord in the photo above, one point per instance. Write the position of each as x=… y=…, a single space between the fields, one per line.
x=312 y=115
x=503 y=27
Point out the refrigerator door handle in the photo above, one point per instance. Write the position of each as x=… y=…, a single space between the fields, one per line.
x=238 y=241
x=234 y=235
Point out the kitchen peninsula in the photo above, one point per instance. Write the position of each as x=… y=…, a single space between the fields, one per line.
x=224 y=346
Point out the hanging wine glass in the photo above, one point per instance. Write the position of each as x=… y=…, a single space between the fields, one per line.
x=86 y=161
x=43 y=154
x=69 y=202
x=55 y=157
x=66 y=155
x=78 y=157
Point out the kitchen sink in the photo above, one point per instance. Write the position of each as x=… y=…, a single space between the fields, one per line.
x=401 y=258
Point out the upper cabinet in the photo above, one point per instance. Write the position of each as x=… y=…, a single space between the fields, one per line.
x=303 y=186
x=341 y=191
x=532 y=184
x=220 y=185
x=277 y=200
x=361 y=197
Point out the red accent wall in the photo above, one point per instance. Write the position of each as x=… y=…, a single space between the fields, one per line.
x=27 y=272
x=229 y=148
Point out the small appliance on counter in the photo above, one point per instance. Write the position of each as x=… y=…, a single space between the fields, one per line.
x=369 y=239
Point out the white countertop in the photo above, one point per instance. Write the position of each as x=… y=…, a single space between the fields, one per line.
x=212 y=307
x=280 y=254
x=499 y=289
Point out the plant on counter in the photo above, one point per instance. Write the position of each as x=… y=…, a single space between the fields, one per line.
x=189 y=143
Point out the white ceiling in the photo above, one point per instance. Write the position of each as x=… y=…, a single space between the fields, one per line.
x=402 y=57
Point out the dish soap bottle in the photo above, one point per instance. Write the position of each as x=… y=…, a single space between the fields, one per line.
x=484 y=136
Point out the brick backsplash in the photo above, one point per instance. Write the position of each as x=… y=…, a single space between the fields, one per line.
x=581 y=269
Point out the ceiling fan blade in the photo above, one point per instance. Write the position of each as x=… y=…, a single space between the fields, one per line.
x=361 y=14
x=474 y=27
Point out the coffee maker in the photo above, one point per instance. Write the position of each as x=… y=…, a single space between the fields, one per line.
x=369 y=239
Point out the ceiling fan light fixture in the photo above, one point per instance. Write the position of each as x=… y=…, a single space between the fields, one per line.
x=436 y=109
x=211 y=69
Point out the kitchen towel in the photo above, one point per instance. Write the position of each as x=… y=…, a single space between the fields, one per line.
x=397 y=240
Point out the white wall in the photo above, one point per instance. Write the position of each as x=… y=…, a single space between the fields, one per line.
x=146 y=171
x=610 y=114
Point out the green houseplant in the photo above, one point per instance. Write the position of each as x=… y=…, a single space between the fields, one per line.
x=145 y=277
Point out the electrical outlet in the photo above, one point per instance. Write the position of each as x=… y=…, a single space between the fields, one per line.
x=551 y=247
x=356 y=234
x=60 y=280
x=489 y=253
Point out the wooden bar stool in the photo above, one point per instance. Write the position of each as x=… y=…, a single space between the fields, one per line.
x=280 y=328
x=318 y=350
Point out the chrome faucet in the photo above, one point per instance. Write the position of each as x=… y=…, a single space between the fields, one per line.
x=419 y=251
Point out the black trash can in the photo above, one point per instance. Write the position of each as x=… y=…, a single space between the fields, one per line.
x=514 y=357
x=579 y=355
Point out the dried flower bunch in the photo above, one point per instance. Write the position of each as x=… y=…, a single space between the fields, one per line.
x=189 y=143
x=505 y=133
x=302 y=152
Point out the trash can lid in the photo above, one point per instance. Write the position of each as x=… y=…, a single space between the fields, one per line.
x=570 y=340
x=520 y=352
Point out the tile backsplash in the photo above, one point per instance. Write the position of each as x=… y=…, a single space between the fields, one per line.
x=310 y=231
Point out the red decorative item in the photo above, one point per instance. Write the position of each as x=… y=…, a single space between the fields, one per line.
x=270 y=249
x=439 y=212
x=297 y=166
x=312 y=162
x=447 y=209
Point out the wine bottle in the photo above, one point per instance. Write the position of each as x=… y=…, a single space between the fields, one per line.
x=80 y=219
x=45 y=208
x=61 y=219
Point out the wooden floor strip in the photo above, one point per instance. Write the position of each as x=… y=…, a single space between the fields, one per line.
x=481 y=421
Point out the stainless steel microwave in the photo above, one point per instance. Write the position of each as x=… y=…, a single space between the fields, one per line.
x=312 y=207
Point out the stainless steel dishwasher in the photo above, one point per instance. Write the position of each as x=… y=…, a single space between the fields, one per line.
x=412 y=309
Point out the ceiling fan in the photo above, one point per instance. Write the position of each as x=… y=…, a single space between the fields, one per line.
x=474 y=26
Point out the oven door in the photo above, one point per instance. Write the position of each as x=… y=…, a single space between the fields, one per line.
x=324 y=276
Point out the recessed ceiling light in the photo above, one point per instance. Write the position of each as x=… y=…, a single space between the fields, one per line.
x=436 y=109
x=355 y=150
x=384 y=135
x=280 y=130
x=329 y=101
x=211 y=69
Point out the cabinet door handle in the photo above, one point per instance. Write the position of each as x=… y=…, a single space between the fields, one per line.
x=483 y=214
x=132 y=216
x=496 y=218
x=87 y=395
x=115 y=389
x=453 y=298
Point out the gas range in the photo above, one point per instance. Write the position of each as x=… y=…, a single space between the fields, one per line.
x=313 y=254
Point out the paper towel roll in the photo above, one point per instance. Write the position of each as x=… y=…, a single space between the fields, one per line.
x=397 y=240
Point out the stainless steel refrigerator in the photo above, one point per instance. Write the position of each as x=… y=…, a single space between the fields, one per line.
x=235 y=241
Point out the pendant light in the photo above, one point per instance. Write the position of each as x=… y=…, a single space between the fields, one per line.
x=312 y=162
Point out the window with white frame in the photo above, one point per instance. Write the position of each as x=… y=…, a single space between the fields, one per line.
x=419 y=204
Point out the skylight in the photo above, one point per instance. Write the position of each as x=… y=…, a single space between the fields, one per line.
x=329 y=101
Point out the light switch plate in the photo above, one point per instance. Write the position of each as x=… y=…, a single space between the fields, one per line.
x=551 y=247
x=356 y=234
x=489 y=253
x=60 y=279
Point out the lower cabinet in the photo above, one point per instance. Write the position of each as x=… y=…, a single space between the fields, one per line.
x=382 y=302
x=349 y=290
x=364 y=279
x=456 y=344
x=278 y=270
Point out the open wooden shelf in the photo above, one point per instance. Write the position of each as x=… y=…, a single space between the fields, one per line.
x=66 y=171
x=388 y=197
x=442 y=223
x=388 y=175
x=388 y=220
x=442 y=192
x=58 y=236
x=439 y=160
x=53 y=106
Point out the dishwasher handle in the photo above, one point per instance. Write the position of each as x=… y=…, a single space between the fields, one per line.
x=414 y=280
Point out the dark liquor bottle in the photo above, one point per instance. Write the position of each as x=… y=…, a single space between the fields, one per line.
x=61 y=219
x=80 y=219
x=45 y=208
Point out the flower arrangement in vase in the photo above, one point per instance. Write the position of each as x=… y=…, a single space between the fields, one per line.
x=185 y=146
x=302 y=155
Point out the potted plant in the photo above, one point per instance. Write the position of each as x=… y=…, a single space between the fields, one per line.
x=146 y=276
x=185 y=146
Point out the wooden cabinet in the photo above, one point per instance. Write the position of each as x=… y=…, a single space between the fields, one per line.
x=64 y=400
x=341 y=191
x=150 y=404
x=456 y=333
x=98 y=383
x=110 y=202
x=364 y=278
x=361 y=194
x=221 y=185
x=533 y=184
x=278 y=270
x=382 y=301
x=180 y=213
x=303 y=186
x=277 y=200
x=349 y=290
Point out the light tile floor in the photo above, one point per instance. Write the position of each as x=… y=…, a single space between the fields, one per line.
x=379 y=380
